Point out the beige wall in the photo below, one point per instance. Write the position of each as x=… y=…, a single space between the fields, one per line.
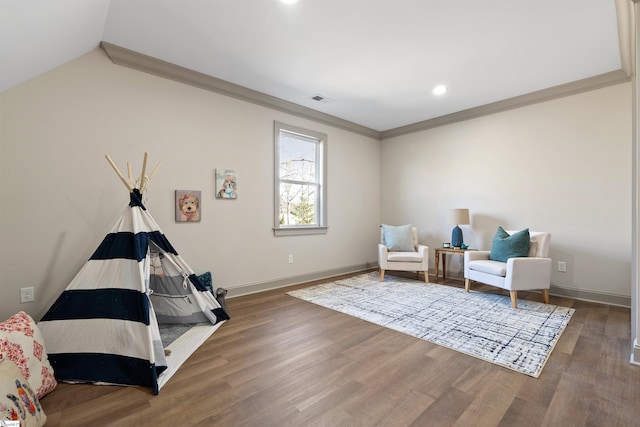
x=60 y=197
x=562 y=166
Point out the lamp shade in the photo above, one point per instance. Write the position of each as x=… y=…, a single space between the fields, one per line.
x=459 y=216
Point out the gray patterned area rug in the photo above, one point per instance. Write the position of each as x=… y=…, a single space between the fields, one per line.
x=479 y=324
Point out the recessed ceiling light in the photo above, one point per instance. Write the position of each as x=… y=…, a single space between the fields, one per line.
x=439 y=90
x=289 y=1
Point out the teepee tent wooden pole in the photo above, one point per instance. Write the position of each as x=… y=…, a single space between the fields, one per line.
x=144 y=170
x=129 y=172
x=117 y=171
x=142 y=190
x=144 y=180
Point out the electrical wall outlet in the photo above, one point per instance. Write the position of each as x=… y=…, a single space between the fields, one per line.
x=562 y=266
x=290 y=259
x=27 y=294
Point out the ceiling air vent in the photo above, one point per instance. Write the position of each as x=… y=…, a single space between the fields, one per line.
x=322 y=99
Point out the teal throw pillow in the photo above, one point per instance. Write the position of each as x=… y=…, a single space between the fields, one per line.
x=398 y=238
x=505 y=246
x=206 y=280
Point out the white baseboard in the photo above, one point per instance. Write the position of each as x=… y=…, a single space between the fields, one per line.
x=592 y=296
x=253 y=288
x=579 y=294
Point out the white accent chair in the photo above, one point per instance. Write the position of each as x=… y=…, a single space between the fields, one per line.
x=517 y=274
x=417 y=261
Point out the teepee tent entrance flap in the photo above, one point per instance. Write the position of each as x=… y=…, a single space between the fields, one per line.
x=176 y=295
x=104 y=326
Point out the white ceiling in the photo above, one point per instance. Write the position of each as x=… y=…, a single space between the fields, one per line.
x=377 y=60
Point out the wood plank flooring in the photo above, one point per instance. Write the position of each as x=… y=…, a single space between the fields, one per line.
x=281 y=361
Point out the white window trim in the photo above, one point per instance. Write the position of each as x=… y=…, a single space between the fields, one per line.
x=298 y=230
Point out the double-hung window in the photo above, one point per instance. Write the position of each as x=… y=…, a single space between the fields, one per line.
x=300 y=181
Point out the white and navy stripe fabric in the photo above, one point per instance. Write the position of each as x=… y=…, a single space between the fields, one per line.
x=103 y=328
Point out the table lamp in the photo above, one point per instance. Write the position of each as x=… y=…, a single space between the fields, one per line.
x=457 y=217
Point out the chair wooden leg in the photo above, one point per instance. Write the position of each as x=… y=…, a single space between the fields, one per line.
x=426 y=277
x=381 y=275
x=467 y=284
x=545 y=296
x=514 y=298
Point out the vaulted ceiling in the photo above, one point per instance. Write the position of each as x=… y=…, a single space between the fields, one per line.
x=374 y=62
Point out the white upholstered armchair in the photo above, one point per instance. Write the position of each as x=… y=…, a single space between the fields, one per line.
x=529 y=272
x=400 y=251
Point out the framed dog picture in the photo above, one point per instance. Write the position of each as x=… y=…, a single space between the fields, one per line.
x=226 y=184
x=188 y=206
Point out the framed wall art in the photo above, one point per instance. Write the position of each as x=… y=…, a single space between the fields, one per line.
x=226 y=184
x=187 y=206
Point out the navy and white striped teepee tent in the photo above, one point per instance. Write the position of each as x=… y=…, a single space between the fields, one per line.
x=103 y=328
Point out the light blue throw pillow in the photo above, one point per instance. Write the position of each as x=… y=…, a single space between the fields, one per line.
x=505 y=246
x=398 y=238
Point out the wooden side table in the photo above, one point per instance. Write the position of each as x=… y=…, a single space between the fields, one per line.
x=444 y=252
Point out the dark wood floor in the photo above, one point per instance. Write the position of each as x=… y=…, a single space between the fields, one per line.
x=281 y=361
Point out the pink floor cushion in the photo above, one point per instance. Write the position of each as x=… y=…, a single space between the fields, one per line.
x=21 y=342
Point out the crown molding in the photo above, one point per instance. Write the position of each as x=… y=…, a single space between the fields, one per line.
x=579 y=86
x=148 y=64
x=625 y=15
x=151 y=65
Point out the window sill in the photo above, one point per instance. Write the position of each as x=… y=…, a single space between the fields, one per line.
x=299 y=231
